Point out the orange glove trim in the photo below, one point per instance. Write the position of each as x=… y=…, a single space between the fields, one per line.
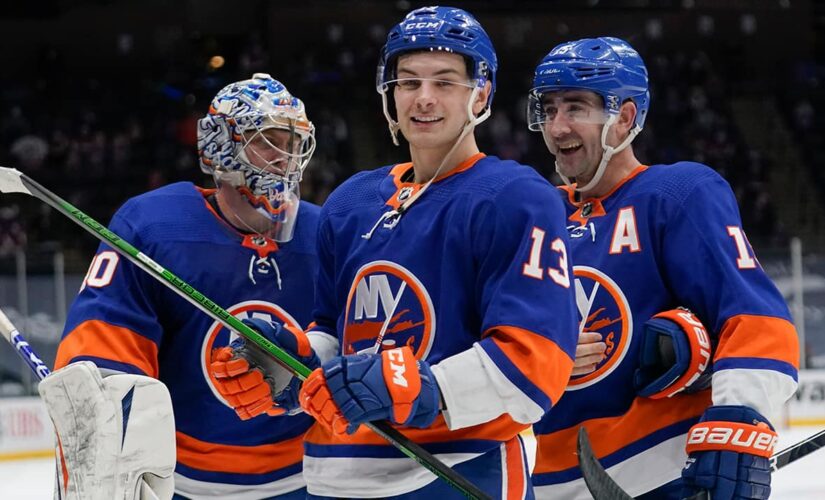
x=757 y=440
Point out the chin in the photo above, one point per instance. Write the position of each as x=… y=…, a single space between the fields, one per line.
x=425 y=141
x=568 y=172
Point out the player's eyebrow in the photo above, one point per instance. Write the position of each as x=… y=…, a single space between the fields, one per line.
x=441 y=72
x=572 y=97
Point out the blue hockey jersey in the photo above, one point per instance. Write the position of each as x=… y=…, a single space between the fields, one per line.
x=124 y=320
x=666 y=236
x=475 y=279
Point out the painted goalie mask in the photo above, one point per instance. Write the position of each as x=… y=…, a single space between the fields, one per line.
x=257 y=138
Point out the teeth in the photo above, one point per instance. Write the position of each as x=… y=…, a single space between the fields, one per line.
x=570 y=145
x=426 y=118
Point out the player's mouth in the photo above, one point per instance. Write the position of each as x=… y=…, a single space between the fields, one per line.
x=426 y=121
x=569 y=148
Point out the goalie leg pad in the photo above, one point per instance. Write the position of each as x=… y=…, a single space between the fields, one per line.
x=115 y=435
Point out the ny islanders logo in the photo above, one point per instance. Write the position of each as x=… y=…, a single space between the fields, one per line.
x=220 y=336
x=603 y=308
x=388 y=307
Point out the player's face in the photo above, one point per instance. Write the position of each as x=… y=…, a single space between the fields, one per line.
x=269 y=149
x=431 y=96
x=572 y=128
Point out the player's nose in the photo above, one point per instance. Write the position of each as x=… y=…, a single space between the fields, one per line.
x=558 y=126
x=425 y=95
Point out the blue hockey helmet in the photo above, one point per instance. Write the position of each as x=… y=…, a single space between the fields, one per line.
x=608 y=66
x=447 y=29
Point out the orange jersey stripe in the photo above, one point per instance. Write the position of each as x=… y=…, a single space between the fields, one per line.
x=557 y=451
x=104 y=340
x=259 y=459
x=768 y=337
x=501 y=429
x=515 y=469
x=549 y=371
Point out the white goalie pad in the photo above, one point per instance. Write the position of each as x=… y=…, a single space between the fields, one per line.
x=115 y=435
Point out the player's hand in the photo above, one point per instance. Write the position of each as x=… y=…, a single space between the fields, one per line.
x=728 y=454
x=251 y=381
x=351 y=390
x=589 y=352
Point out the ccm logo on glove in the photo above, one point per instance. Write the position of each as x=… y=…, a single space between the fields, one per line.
x=757 y=440
x=397 y=356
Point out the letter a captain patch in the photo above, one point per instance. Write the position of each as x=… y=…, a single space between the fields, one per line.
x=625 y=233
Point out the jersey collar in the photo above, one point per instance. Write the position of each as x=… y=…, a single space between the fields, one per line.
x=404 y=190
x=260 y=244
x=593 y=207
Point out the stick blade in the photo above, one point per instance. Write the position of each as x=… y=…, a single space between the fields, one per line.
x=598 y=482
x=11 y=181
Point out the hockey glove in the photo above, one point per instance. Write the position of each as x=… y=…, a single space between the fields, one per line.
x=675 y=355
x=252 y=382
x=354 y=389
x=729 y=454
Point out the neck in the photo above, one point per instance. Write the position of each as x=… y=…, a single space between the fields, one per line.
x=619 y=167
x=427 y=160
x=238 y=213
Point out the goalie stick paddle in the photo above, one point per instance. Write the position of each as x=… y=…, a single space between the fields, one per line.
x=14 y=181
x=603 y=487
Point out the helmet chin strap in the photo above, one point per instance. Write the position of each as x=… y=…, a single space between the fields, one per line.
x=391 y=122
x=469 y=126
x=607 y=154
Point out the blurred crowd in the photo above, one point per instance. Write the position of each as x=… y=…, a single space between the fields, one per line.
x=802 y=96
x=97 y=139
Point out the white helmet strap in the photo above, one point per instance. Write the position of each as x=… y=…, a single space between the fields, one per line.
x=469 y=126
x=607 y=154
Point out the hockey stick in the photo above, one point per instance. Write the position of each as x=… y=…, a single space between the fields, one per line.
x=603 y=487
x=22 y=347
x=598 y=482
x=14 y=181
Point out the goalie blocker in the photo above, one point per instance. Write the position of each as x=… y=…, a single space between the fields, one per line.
x=115 y=435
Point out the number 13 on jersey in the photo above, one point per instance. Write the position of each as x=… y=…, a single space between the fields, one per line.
x=533 y=268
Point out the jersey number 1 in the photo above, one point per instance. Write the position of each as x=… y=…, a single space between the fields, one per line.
x=744 y=259
x=532 y=267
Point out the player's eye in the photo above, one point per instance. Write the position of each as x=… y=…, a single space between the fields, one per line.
x=408 y=83
x=575 y=111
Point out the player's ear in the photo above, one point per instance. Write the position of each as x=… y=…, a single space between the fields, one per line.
x=627 y=116
x=481 y=98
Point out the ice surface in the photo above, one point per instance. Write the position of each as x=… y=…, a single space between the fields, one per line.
x=801 y=480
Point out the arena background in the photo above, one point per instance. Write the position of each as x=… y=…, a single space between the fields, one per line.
x=99 y=99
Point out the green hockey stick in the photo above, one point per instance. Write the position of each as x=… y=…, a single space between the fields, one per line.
x=14 y=181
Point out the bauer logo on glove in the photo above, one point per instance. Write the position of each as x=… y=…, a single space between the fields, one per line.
x=675 y=356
